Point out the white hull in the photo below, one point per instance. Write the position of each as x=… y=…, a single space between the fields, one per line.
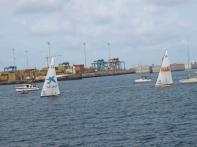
x=143 y=80
x=26 y=89
x=188 y=81
x=163 y=85
x=51 y=95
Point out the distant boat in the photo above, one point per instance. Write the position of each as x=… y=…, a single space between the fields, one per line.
x=189 y=79
x=50 y=87
x=143 y=79
x=165 y=76
x=27 y=87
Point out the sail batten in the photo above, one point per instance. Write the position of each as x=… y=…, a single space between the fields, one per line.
x=165 y=75
x=50 y=87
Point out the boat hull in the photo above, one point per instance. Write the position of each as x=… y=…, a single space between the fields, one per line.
x=142 y=80
x=163 y=85
x=188 y=81
x=51 y=95
x=26 y=89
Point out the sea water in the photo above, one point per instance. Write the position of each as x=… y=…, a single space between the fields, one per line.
x=101 y=112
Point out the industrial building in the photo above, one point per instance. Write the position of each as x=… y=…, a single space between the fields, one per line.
x=12 y=75
x=112 y=64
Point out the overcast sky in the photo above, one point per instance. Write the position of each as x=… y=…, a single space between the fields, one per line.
x=138 y=30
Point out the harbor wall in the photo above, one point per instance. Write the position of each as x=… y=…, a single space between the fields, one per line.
x=143 y=69
x=21 y=76
x=194 y=66
x=78 y=72
x=107 y=73
x=177 y=67
x=156 y=68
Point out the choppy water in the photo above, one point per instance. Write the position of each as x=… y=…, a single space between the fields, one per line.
x=101 y=112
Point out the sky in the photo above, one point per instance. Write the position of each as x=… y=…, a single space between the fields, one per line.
x=138 y=31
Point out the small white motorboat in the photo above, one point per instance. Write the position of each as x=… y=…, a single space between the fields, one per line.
x=188 y=80
x=143 y=79
x=26 y=87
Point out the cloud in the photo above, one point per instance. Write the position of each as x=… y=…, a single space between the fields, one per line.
x=38 y=6
x=168 y=3
x=132 y=27
x=104 y=20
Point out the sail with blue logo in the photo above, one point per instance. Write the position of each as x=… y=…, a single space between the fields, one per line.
x=50 y=87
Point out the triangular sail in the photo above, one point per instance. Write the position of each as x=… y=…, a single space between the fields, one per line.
x=50 y=87
x=165 y=75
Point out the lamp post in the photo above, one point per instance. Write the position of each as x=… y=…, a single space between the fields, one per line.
x=14 y=58
x=109 y=50
x=84 y=49
x=26 y=53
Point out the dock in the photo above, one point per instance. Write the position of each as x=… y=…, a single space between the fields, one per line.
x=98 y=68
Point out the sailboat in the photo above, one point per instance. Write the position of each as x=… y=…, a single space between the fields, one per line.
x=165 y=76
x=143 y=79
x=189 y=79
x=50 y=87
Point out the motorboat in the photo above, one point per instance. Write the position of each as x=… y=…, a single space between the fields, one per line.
x=143 y=79
x=26 y=87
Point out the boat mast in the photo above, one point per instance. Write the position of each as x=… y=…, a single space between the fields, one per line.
x=49 y=53
x=188 y=58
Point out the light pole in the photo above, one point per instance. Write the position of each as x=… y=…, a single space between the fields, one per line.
x=109 y=50
x=14 y=58
x=26 y=53
x=84 y=49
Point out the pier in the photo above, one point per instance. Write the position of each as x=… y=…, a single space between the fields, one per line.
x=98 y=68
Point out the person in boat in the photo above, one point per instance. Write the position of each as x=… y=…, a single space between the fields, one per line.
x=144 y=77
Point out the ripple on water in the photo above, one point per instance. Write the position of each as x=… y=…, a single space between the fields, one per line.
x=108 y=111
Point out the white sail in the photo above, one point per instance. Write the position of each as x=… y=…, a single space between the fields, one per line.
x=50 y=87
x=165 y=75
